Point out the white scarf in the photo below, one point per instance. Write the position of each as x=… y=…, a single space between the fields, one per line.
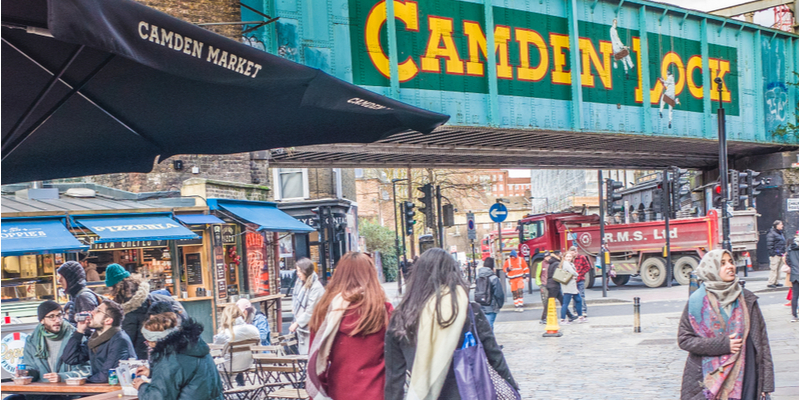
x=321 y=347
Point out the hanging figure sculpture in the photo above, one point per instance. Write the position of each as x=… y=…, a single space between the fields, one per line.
x=621 y=52
x=668 y=96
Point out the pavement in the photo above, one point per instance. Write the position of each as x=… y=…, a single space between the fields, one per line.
x=605 y=359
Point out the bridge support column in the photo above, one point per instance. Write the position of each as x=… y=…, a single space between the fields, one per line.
x=708 y=113
x=575 y=63
x=644 y=65
x=491 y=64
x=391 y=33
x=758 y=83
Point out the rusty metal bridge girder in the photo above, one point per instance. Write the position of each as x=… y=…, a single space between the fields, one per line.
x=473 y=147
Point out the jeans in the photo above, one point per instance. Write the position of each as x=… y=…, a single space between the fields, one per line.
x=558 y=296
x=491 y=316
x=565 y=304
x=582 y=290
x=795 y=290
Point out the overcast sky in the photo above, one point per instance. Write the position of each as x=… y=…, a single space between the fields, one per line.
x=766 y=18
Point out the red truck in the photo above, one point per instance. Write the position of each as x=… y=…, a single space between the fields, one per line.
x=637 y=248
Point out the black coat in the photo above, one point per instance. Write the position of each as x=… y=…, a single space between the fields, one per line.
x=399 y=357
x=498 y=296
x=792 y=262
x=134 y=319
x=776 y=243
x=759 y=373
x=182 y=368
x=553 y=287
x=105 y=357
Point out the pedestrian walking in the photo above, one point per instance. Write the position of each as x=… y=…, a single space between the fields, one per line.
x=132 y=292
x=541 y=281
x=570 y=290
x=428 y=326
x=489 y=291
x=305 y=295
x=724 y=332
x=582 y=267
x=107 y=345
x=233 y=329
x=255 y=318
x=346 y=358
x=72 y=278
x=553 y=287
x=181 y=367
x=794 y=275
x=776 y=248
x=518 y=274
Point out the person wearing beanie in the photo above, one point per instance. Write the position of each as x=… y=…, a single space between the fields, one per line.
x=255 y=318
x=72 y=278
x=132 y=293
x=45 y=346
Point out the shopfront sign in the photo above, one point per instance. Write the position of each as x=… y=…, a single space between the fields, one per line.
x=310 y=220
x=257 y=274
x=13 y=346
x=137 y=244
x=219 y=263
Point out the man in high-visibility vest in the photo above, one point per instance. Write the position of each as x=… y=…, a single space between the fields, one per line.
x=518 y=274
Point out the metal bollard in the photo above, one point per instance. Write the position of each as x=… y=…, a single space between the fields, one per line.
x=637 y=324
x=694 y=283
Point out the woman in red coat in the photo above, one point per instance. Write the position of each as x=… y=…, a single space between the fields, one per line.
x=348 y=327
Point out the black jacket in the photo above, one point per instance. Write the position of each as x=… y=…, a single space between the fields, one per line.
x=498 y=296
x=759 y=372
x=553 y=287
x=105 y=357
x=136 y=314
x=83 y=300
x=182 y=368
x=776 y=243
x=791 y=261
x=399 y=357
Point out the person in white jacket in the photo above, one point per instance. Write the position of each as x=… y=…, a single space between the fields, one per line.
x=621 y=52
x=307 y=291
x=234 y=329
x=570 y=290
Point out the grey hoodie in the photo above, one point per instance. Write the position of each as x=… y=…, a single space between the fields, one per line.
x=498 y=297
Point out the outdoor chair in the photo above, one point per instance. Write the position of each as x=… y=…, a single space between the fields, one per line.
x=236 y=350
x=289 y=394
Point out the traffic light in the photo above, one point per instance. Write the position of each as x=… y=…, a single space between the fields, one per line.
x=753 y=185
x=427 y=205
x=316 y=221
x=680 y=188
x=717 y=196
x=408 y=211
x=658 y=199
x=612 y=197
x=739 y=189
x=448 y=217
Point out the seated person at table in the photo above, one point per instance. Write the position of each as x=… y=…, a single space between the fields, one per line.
x=234 y=329
x=255 y=318
x=43 y=349
x=182 y=367
x=106 y=346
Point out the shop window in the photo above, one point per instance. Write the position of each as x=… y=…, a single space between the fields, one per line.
x=291 y=183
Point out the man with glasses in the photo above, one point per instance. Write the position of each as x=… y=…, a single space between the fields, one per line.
x=106 y=346
x=44 y=347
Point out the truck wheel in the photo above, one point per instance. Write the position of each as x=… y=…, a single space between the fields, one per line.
x=621 y=280
x=654 y=271
x=683 y=269
x=590 y=276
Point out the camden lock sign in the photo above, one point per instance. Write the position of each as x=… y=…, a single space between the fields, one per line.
x=442 y=46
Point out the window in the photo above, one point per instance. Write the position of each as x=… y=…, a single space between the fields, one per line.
x=290 y=183
x=532 y=230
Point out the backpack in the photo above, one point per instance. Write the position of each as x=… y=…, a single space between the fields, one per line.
x=483 y=291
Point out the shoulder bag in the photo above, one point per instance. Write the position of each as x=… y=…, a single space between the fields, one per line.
x=472 y=368
x=561 y=276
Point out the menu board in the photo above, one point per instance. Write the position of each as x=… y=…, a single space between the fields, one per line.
x=194 y=269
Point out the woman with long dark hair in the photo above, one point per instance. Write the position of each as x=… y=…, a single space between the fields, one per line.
x=428 y=325
x=348 y=327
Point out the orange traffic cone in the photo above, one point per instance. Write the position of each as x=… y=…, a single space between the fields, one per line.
x=551 y=329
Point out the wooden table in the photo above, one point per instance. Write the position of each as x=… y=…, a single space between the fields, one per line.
x=59 y=388
x=115 y=395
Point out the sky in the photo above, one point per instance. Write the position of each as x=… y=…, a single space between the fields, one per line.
x=766 y=18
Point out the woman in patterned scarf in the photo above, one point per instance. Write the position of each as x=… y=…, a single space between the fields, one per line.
x=724 y=332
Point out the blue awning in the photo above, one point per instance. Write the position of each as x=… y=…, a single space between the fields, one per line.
x=198 y=219
x=119 y=229
x=265 y=214
x=37 y=236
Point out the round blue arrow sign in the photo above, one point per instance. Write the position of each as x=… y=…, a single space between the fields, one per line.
x=498 y=212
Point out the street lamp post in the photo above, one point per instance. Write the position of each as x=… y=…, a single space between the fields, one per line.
x=397 y=237
x=723 y=169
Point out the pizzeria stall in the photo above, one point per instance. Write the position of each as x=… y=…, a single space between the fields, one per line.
x=258 y=228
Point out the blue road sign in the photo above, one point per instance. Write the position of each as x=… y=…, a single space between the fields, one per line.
x=498 y=212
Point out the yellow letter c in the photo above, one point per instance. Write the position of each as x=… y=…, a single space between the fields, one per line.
x=406 y=12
